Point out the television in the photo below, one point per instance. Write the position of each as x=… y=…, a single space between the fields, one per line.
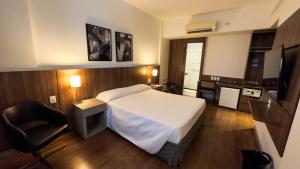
x=273 y=75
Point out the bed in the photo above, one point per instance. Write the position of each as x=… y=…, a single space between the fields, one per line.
x=160 y=123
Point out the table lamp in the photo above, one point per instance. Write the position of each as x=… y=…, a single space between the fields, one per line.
x=154 y=74
x=75 y=83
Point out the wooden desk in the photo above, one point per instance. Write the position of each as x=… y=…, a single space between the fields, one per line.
x=259 y=110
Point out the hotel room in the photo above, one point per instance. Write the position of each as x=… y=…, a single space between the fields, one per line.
x=149 y=84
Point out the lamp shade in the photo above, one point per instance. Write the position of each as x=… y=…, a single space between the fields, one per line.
x=154 y=72
x=75 y=81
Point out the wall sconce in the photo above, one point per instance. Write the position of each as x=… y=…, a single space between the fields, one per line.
x=75 y=83
x=154 y=74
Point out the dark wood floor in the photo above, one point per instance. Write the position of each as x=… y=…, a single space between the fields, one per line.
x=217 y=145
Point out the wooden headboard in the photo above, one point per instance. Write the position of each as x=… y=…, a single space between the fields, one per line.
x=18 y=87
x=94 y=81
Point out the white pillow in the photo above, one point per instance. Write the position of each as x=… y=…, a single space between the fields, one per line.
x=113 y=94
x=137 y=88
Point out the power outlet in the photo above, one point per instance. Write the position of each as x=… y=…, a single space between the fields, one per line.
x=52 y=99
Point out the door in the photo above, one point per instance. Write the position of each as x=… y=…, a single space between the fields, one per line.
x=192 y=68
x=178 y=58
x=176 y=63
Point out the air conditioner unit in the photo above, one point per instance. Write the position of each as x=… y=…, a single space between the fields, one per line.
x=207 y=26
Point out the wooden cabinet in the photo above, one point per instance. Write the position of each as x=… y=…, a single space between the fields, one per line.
x=244 y=104
x=288 y=34
x=279 y=115
x=277 y=120
x=262 y=41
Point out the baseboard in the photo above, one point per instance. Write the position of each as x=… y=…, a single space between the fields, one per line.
x=7 y=153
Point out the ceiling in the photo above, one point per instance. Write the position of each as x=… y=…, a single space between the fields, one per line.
x=166 y=9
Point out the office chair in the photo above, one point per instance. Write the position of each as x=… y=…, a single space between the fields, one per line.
x=207 y=87
x=31 y=126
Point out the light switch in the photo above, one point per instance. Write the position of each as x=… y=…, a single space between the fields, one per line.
x=269 y=103
x=52 y=99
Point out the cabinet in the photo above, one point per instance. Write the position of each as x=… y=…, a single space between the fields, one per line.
x=89 y=117
x=262 y=41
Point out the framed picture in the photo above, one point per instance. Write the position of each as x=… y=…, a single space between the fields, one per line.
x=99 y=43
x=124 y=47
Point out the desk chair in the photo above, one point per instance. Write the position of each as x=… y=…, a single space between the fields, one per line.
x=207 y=87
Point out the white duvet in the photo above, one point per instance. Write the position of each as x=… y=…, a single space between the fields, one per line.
x=150 y=118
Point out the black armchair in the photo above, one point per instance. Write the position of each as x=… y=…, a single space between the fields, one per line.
x=31 y=126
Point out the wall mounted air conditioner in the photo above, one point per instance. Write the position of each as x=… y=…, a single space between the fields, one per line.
x=198 y=27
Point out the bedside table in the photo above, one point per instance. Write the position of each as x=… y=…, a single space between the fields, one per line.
x=157 y=87
x=89 y=117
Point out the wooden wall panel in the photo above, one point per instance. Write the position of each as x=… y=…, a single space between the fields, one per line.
x=149 y=74
x=292 y=96
x=95 y=81
x=225 y=80
x=281 y=114
x=18 y=87
x=288 y=33
x=278 y=123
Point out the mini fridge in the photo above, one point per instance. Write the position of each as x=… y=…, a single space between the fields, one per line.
x=229 y=97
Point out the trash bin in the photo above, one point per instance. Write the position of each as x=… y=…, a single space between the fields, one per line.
x=254 y=159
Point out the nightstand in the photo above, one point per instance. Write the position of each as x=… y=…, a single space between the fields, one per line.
x=157 y=87
x=89 y=117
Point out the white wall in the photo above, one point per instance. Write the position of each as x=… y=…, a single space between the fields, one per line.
x=253 y=16
x=290 y=158
x=60 y=37
x=226 y=55
x=267 y=143
x=16 y=44
x=51 y=34
x=258 y=15
x=164 y=60
x=284 y=10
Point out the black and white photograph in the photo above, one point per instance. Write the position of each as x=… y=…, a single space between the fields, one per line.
x=99 y=43
x=123 y=47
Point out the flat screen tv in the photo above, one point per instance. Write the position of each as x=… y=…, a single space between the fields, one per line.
x=273 y=75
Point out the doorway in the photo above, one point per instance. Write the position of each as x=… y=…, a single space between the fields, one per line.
x=186 y=64
x=193 y=65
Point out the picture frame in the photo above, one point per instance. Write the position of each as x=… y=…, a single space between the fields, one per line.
x=124 y=47
x=99 y=43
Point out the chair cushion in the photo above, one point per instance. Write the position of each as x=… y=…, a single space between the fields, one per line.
x=42 y=135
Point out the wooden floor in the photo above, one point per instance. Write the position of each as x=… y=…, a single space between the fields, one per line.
x=217 y=145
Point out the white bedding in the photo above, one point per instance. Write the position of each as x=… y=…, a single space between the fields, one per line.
x=150 y=118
